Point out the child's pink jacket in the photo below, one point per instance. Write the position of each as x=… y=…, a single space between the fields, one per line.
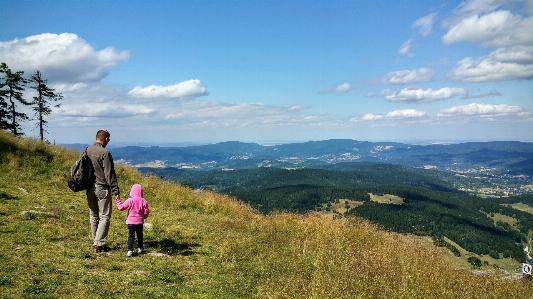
x=136 y=205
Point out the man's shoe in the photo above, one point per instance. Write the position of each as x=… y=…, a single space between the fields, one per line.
x=103 y=248
x=140 y=251
x=130 y=253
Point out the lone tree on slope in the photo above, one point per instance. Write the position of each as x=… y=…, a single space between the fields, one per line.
x=11 y=87
x=43 y=101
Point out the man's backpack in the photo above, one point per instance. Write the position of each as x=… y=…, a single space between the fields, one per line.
x=81 y=175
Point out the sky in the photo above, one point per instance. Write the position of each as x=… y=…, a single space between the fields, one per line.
x=177 y=72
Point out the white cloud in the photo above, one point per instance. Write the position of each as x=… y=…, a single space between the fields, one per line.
x=186 y=89
x=371 y=116
x=105 y=110
x=501 y=65
x=492 y=93
x=495 y=29
x=413 y=94
x=99 y=104
x=483 y=110
x=510 y=33
x=62 y=57
x=425 y=23
x=381 y=94
x=516 y=54
x=472 y=7
x=345 y=87
x=409 y=76
x=405 y=48
x=391 y=116
x=112 y=106
x=219 y=114
x=69 y=87
x=406 y=113
x=298 y=107
x=453 y=115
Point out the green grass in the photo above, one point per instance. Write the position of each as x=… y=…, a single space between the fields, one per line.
x=205 y=245
x=386 y=199
x=522 y=207
x=504 y=218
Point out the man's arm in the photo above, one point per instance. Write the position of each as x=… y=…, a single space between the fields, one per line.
x=111 y=177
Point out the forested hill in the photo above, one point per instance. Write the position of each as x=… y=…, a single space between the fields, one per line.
x=348 y=174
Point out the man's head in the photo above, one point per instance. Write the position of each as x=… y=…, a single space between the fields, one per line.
x=103 y=137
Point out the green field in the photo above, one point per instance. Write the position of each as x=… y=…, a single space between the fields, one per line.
x=387 y=199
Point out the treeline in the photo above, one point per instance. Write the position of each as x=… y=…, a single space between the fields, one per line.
x=12 y=85
x=297 y=198
x=216 y=180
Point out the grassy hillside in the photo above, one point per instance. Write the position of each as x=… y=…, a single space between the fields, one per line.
x=205 y=245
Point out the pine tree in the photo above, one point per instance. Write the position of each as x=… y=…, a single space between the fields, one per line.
x=43 y=101
x=11 y=87
x=4 y=112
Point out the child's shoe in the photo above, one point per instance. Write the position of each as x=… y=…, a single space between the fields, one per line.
x=140 y=250
x=130 y=253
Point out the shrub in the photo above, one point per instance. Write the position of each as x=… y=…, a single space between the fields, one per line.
x=474 y=261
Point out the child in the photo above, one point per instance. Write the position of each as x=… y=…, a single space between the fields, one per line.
x=137 y=211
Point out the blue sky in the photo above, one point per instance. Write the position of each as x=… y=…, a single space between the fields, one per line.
x=165 y=72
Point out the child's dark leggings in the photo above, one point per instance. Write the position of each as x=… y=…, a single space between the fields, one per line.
x=135 y=229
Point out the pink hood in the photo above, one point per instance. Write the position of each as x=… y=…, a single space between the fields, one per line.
x=136 y=191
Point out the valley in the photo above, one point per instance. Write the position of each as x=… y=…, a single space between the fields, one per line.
x=491 y=169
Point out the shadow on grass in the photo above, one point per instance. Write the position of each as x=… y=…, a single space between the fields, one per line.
x=172 y=247
x=7 y=196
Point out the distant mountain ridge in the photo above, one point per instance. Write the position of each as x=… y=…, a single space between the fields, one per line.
x=511 y=157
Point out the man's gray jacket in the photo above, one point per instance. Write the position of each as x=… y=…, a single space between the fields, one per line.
x=104 y=168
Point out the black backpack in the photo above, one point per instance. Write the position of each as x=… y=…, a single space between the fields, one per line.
x=81 y=175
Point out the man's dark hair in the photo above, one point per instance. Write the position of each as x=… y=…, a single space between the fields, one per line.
x=102 y=134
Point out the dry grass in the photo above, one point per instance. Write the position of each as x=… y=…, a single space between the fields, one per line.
x=206 y=245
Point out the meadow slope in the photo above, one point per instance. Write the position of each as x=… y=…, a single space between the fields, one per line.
x=205 y=245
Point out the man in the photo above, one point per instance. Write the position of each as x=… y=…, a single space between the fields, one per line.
x=99 y=194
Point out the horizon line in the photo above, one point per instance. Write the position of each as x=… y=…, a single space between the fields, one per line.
x=275 y=143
